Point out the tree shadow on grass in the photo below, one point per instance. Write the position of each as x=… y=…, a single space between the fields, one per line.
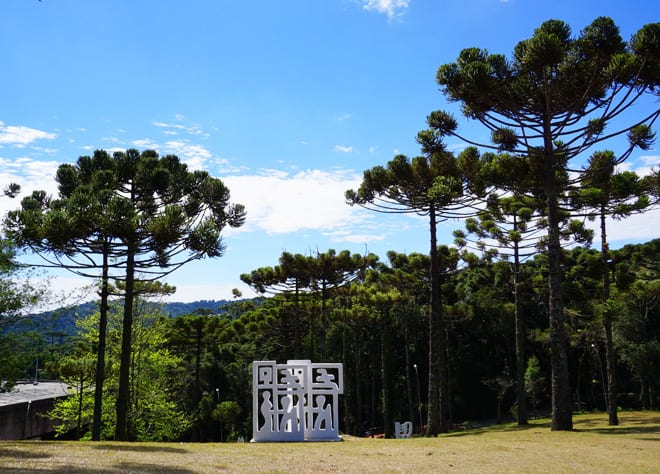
x=59 y=470
x=629 y=424
x=22 y=454
x=150 y=468
x=139 y=448
x=622 y=430
x=118 y=469
x=501 y=428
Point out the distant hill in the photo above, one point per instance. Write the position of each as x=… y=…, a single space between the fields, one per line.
x=61 y=322
x=196 y=307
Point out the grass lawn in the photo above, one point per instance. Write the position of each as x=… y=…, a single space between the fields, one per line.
x=633 y=446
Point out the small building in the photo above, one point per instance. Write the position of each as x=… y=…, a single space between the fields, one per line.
x=23 y=410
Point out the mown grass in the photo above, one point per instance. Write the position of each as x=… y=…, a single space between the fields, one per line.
x=594 y=447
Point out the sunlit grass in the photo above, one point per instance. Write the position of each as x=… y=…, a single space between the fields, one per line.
x=633 y=446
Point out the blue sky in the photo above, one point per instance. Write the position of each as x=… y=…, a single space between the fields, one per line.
x=286 y=101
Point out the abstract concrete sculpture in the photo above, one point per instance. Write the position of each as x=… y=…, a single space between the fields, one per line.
x=296 y=401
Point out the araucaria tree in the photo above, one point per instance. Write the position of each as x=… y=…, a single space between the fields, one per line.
x=551 y=103
x=173 y=216
x=148 y=214
x=432 y=185
x=320 y=276
x=606 y=192
x=76 y=232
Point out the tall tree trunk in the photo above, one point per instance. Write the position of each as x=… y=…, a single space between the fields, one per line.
x=642 y=393
x=409 y=384
x=324 y=323
x=436 y=415
x=521 y=363
x=197 y=389
x=562 y=419
x=347 y=370
x=312 y=329
x=297 y=351
x=385 y=353
x=123 y=392
x=100 y=355
x=610 y=356
x=359 y=378
x=81 y=386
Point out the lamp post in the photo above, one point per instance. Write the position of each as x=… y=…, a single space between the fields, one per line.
x=419 y=401
x=602 y=378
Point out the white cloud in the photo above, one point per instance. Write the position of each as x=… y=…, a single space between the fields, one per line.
x=145 y=144
x=347 y=235
x=174 y=128
x=343 y=149
x=278 y=202
x=651 y=163
x=343 y=117
x=19 y=135
x=195 y=156
x=650 y=160
x=636 y=228
x=391 y=8
x=643 y=166
x=49 y=151
x=39 y=171
x=30 y=174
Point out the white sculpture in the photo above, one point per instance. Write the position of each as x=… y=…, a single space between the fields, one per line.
x=403 y=430
x=296 y=401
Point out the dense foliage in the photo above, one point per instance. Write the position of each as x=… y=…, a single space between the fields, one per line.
x=193 y=371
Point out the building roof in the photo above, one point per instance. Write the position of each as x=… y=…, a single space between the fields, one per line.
x=27 y=391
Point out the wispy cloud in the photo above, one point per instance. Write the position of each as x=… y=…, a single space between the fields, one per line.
x=391 y=8
x=19 y=135
x=177 y=127
x=343 y=117
x=650 y=160
x=145 y=144
x=343 y=149
x=349 y=235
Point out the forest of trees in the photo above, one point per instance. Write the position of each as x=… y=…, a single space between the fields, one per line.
x=518 y=317
x=190 y=375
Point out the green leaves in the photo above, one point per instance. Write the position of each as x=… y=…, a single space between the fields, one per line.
x=11 y=190
x=505 y=138
x=442 y=122
x=641 y=136
x=645 y=44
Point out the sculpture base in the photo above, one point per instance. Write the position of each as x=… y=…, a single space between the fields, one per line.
x=325 y=440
